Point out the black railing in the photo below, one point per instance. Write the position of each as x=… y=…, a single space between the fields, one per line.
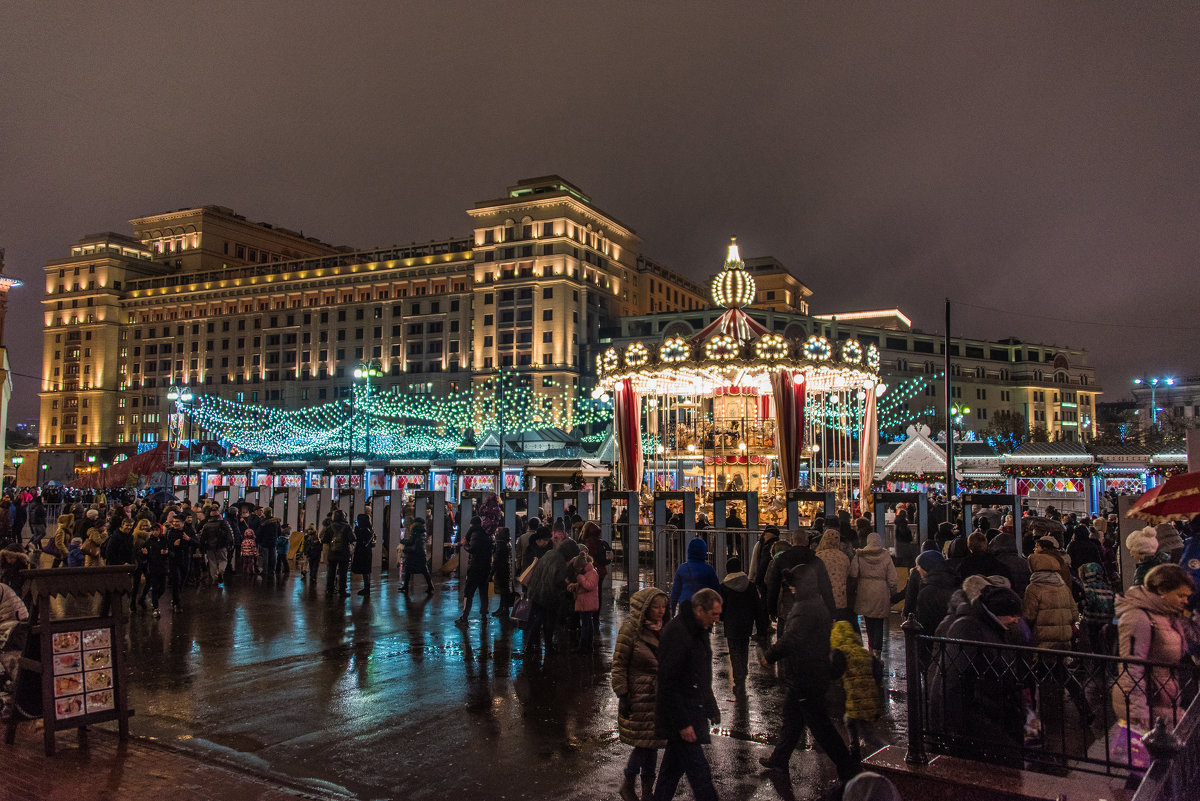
x=1174 y=774
x=1041 y=709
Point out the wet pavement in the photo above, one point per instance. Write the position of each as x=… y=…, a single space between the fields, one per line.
x=386 y=698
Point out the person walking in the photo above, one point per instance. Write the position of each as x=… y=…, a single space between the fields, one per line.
x=547 y=594
x=478 y=547
x=685 y=705
x=364 y=543
x=62 y=538
x=837 y=565
x=876 y=575
x=693 y=574
x=502 y=573
x=340 y=538
x=37 y=522
x=266 y=536
x=742 y=609
x=805 y=647
x=635 y=682
x=157 y=553
x=215 y=539
x=415 y=560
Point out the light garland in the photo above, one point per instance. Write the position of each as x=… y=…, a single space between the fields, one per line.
x=675 y=350
x=771 y=347
x=721 y=348
x=636 y=355
x=873 y=357
x=852 y=351
x=609 y=361
x=817 y=348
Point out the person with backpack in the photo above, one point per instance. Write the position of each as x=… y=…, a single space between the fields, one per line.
x=215 y=539
x=742 y=609
x=693 y=574
x=340 y=538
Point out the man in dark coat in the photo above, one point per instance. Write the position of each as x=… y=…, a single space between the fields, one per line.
x=478 y=546
x=686 y=705
x=267 y=531
x=983 y=707
x=799 y=554
x=340 y=538
x=804 y=646
x=937 y=585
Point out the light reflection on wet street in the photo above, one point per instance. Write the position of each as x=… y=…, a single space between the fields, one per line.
x=387 y=698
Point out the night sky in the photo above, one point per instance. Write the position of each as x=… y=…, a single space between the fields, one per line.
x=1042 y=159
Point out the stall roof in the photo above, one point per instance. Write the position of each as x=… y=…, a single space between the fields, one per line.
x=569 y=467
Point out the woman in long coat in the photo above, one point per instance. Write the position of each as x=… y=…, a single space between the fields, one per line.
x=635 y=681
x=876 y=575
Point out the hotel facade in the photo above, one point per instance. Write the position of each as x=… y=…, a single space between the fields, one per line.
x=543 y=282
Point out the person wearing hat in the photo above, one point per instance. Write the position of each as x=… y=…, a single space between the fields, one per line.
x=1143 y=546
x=987 y=711
x=938 y=584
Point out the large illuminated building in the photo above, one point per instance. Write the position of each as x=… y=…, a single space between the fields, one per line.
x=250 y=313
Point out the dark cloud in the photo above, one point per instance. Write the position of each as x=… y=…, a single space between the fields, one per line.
x=1034 y=157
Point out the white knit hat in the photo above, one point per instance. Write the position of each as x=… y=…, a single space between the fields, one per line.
x=1143 y=542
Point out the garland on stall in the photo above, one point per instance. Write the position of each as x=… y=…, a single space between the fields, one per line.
x=1051 y=471
x=1168 y=470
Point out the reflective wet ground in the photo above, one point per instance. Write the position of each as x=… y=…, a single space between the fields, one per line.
x=386 y=698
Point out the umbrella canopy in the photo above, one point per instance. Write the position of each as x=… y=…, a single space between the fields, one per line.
x=1176 y=499
x=1043 y=525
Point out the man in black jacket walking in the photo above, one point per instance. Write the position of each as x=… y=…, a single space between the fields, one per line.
x=685 y=703
x=804 y=647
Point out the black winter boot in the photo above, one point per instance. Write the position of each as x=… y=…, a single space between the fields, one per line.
x=627 y=792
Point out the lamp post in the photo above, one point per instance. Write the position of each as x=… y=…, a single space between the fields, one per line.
x=957 y=412
x=182 y=395
x=17 y=460
x=367 y=371
x=1153 y=383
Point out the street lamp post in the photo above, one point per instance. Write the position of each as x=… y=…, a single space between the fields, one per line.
x=1153 y=383
x=182 y=395
x=366 y=370
x=957 y=412
x=17 y=460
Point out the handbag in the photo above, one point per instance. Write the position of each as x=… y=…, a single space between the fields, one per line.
x=49 y=548
x=521 y=610
x=524 y=577
x=1126 y=748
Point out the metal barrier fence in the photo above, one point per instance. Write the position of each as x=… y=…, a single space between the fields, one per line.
x=661 y=549
x=1036 y=708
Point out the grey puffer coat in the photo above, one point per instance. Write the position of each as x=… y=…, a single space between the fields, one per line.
x=635 y=672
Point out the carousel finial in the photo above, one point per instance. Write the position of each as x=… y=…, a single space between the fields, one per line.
x=733 y=287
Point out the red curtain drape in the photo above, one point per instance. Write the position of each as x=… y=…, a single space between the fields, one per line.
x=788 y=388
x=627 y=423
x=868 y=438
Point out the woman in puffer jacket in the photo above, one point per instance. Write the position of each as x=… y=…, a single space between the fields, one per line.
x=635 y=681
x=837 y=565
x=876 y=575
x=1152 y=625
x=1049 y=606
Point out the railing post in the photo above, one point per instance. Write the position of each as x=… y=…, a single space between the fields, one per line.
x=916 y=708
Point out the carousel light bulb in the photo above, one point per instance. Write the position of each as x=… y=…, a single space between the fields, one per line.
x=691 y=448
x=742 y=447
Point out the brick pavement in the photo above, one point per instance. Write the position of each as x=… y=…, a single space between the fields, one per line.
x=138 y=770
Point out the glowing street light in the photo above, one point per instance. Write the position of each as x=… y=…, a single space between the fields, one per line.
x=1153 y=383
x=182 y=395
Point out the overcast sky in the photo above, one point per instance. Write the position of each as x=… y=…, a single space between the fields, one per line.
x=1041 y=159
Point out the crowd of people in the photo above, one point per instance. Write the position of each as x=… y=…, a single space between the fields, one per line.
x=816 y=601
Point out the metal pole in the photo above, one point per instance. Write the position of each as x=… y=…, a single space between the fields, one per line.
x=350 y=450
x=951 y=488
x=916 y=708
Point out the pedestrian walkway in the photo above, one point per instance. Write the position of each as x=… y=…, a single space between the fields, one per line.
x=137 y=770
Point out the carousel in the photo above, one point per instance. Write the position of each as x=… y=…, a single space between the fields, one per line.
x=738 y=408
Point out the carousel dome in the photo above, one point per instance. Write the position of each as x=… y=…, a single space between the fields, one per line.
x=733 y=287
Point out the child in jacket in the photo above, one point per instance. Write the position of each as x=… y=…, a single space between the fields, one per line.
x=75 y=555
x=586 y=589
x=863 y=705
